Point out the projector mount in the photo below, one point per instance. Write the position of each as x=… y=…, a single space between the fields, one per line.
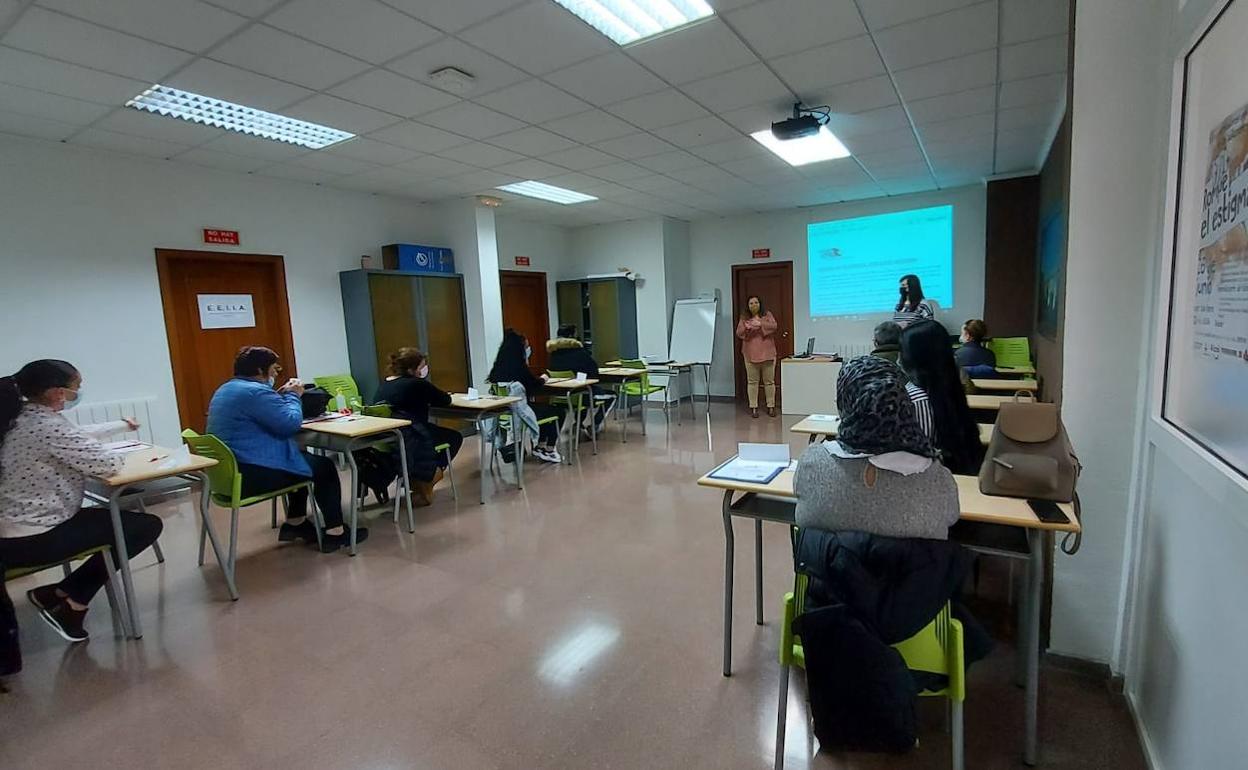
x=806 y=121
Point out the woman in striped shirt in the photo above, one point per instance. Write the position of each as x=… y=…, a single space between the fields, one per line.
x=913 y=306
x=927 y=357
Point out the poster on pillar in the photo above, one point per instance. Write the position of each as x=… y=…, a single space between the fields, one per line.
x=1206 y=363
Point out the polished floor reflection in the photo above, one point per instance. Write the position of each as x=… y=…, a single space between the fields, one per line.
x=575 y=624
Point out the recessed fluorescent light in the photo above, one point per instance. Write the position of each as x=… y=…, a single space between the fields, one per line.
x=627 y=21
x=809 y=149
x=547 y=192
x=208 y=111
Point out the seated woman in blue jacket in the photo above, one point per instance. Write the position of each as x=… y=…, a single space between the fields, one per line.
x=258 y=423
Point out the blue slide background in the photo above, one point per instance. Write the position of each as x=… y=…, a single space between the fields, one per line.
x=855 y=264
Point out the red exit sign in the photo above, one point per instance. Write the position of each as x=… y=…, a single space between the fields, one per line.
x=762 y=253
x=227 y=237
x=522 y=261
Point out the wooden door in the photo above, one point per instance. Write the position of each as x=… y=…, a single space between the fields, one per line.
x=525 y=309
x=773 y=284
x=202 y=359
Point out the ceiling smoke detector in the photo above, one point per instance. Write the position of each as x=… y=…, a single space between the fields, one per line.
x=454 y=80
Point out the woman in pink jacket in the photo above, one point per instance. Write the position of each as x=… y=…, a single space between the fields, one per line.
x=755 y=329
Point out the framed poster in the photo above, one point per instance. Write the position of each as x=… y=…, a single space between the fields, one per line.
x=1205 y=386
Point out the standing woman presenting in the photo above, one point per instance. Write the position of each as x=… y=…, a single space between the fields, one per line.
x=913 y=306
x=755 y=329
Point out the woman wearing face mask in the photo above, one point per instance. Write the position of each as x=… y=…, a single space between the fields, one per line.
x=258 y=424
x=45 y=461
x=409 y=393
x=512 y=365
x=912 y=306
x=755 y=329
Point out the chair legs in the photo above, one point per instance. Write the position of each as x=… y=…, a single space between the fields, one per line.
x=450 y=471
x=273 y=515
x=958 y=738
x=121 y=626
x=782 y=712
x=160 y=555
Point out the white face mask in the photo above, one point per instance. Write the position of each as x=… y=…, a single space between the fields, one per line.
x=272 y=382
x=423 y=371
x=528 y=351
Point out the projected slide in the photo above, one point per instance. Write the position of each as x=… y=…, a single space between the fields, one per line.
x=855 y=264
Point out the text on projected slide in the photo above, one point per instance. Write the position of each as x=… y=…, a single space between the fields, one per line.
x=855 y=264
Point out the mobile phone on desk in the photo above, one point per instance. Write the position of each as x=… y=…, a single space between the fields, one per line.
x=1047 y=511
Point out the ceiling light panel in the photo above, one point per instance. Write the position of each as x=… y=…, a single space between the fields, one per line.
x=799 y=152
x=208 y=111
x=547 y=192
x=627 y=21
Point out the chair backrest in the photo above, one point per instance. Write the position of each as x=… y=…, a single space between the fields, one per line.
x=1011 y=351
x=332 y=383
x=497 y=389
x=378 y=410
x=224 y=480
x=637 y=363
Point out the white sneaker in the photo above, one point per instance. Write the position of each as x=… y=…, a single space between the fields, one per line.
x=547 y=455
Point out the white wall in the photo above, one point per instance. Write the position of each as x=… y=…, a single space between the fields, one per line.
x=638 y=246
x=716 y=245
x=79 y=228
x=545 y=245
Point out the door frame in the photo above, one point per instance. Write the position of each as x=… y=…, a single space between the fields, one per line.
x=165 y=260
x=738 y=365
x=530 y=274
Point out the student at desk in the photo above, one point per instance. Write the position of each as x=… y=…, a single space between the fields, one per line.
x=568 y=354
x=927 y=358
x=511 y=364
x=258 y=423
x=409 y=393
x=45 y=461
x=973 y=352
x=887 y=341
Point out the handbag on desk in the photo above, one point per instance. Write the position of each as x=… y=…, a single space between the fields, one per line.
x=1030 y=456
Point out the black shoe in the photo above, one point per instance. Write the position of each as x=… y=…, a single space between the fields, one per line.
x=66 y=621
x=44 y=597
x=331 y=543
x=508 y=452
x=304 y=531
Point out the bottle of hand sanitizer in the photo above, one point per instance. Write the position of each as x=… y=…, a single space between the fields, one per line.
x=340 y=401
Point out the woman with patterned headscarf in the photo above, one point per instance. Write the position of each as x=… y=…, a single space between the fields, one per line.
x=881 y=474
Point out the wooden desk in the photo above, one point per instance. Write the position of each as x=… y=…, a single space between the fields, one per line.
x=817 y=427
x=1011 y=386
x=345 y=435
x=480 y=411
x=617 y=377
x=150 y=464
x=983 y=401
x=1017 y=371
x=681 y=367
x=776 y=501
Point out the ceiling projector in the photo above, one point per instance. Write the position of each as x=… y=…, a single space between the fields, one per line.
x=795 y=127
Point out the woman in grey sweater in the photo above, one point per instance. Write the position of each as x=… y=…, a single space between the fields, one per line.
x=880 y=476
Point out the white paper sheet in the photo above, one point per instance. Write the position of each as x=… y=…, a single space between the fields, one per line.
x=473 y=395
x=755 y=463
x=127 y=445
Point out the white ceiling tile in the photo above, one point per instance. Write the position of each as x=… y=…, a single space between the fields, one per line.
x=151 y=126
x=25 y=125
x=370 y=151
x=590 y=126
x=961 y=179
x=573 y=181
x=484 y=181
x=128 y=143
x=580 y=158
x=472 y=120
x=480 y=154
x=783 y=26
x=755 y=165
x=248 y=8
x=652 y=183
x=708 y=176
x=906 y=153
x=393 y=93
x=978 y=143
x=732 y=149
x=365 y=29
x=222 y=81
x=1020 y=93
x=694 y=52
x=907 y=186
x=340 y=114
x=699 y=132
x=956 y=33
x=841 y=62
x=870 y=122
x=335 y=165
x=663 y=108
x=434 y=167
x=534 y=101
x=34 y=71
x=1023 y=20
x=634 y=146
x=860 y=192
x=222 y=160
x=453 y=16
x=1016 y=158
x=186 y=24
x=285 y=57
x=1032 y=115
x=881 y=140
x=950 y=130
x=52 y=34
x=621 y=172
x=252 y=147
x=970 y=102
x=1037 y=57
x=294 y=173
x=524 y=37
x=909 y=170
x=758 y=116
x=380 y=180
x=418 y=136
x=966 y=164
x=533 y=141
x=606 y=79
x=670 y=161
x=1030 y=135
x=489 y=73
x=751 y=84
x=838 y=171
x=948 y=77
x=39 y=104
x=530 y=168
x=886 y=13
x=859 y=96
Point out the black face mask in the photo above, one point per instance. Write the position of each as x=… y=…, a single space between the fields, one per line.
x=904 y=292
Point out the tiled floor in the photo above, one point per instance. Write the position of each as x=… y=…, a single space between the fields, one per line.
x=575 y=624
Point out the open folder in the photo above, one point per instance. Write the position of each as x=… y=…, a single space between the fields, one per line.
x=755 y=463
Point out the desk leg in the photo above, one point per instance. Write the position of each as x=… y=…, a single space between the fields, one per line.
x=706 y=379
x=481 y=440
x=519 y=428
x=122 y=557
x=206 y=525
x=758 y=571
x=353 y=516
x=621 y=405
x=729 y=545
x=407 y=485
x=1035 y=585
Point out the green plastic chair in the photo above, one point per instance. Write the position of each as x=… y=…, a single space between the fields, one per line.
x=504 y=420
x=110 y=588
x=1011 y=352
x=575 y=402
x=642 y=388
x=225 y=484
x=384 y=410
x=332 y=383
x=937 y=649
